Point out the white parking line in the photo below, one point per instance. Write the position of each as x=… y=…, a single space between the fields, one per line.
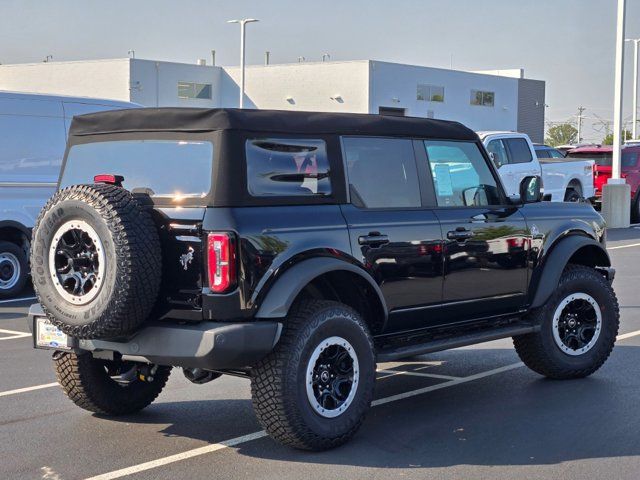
x=123 y=472
x=14 y=334
x=27 y=389
x=624 y=246
x=24 y=335
x=17 y=299
x=393 y=373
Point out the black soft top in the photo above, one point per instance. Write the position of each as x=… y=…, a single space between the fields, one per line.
x=276 y=121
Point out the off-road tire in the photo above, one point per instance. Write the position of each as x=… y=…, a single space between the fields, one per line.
x=86 y=382
x=23 y=266
x=132 y=261
x=539 y=351
x=278 y=384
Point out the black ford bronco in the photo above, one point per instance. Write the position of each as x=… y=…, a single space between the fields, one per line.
x=298 y=249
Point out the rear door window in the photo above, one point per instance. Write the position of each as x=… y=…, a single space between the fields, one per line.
x=287 y=167
x=519 y=151
x=542 y=153
x=382 y=172
x=161 y=168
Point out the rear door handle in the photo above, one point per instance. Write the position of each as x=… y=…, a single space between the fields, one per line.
x=460 y=234
x=373 y=239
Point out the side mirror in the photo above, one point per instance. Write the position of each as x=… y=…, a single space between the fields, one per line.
x=531 y=189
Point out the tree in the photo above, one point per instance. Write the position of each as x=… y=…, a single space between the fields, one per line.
x=608 y=140
x=561 y=134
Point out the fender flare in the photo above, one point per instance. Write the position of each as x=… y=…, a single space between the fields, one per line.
x=555 y=262
x=283 y=293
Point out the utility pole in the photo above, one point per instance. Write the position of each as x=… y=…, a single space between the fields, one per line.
x=213 y=58
x=267 y=54
x=580 y=110
x=634 y=127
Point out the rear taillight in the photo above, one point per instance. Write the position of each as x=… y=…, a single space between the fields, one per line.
x=221 y=258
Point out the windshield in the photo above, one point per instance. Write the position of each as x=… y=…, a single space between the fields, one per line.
x=160 y=168
x=604 y=159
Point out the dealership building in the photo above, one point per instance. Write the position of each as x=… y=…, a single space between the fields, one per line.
x=487 y=100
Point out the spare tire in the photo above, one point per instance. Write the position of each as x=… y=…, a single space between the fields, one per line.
x=96 y=261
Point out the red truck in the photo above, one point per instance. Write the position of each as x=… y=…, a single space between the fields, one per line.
x=603 y=155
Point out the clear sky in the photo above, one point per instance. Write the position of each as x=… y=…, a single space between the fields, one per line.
x=567 y=43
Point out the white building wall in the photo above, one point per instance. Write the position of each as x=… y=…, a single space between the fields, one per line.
x=323 y=86
x=395 y=85
x=156 y=83
x=354 y=86
x=92 y=78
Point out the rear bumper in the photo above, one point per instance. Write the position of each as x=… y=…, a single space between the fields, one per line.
x=207 y=345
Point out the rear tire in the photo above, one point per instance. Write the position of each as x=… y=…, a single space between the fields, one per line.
x=87 y=383
x=13 y=269
x=573 y=195
x=301 y=391
x=578 y=327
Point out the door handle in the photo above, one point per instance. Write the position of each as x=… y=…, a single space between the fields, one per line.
x=373 y=239
x=460 y=234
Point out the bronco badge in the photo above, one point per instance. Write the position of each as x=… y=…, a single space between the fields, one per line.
x=186 y=258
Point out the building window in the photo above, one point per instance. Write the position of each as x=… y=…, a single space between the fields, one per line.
x=430 y=93
x=194 y=90
x=486 y=99
x=392 y=111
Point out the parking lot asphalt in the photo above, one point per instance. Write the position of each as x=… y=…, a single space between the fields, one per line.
x=473 y=412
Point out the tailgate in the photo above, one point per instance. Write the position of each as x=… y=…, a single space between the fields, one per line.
x=182 y=263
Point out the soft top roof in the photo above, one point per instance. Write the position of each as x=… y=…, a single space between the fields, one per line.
x=274 y=121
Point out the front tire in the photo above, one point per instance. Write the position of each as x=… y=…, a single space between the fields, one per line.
x=578 y=327
x=13 y=269
x=313 y=391
x=90 y=383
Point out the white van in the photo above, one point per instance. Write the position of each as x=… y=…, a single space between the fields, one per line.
x=33 y=135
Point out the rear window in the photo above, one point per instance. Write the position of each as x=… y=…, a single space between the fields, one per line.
x=604 y=159
x=161 y=168
x=287 y=167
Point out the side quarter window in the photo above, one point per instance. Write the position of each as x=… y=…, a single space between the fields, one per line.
x=461 y=175
x=287 y=167
x=382 y=172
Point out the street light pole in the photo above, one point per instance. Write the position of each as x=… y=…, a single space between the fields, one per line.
x=242 y=23
x=635 y=41
x=616 y=194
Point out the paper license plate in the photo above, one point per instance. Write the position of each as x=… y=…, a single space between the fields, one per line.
x=49 y=336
